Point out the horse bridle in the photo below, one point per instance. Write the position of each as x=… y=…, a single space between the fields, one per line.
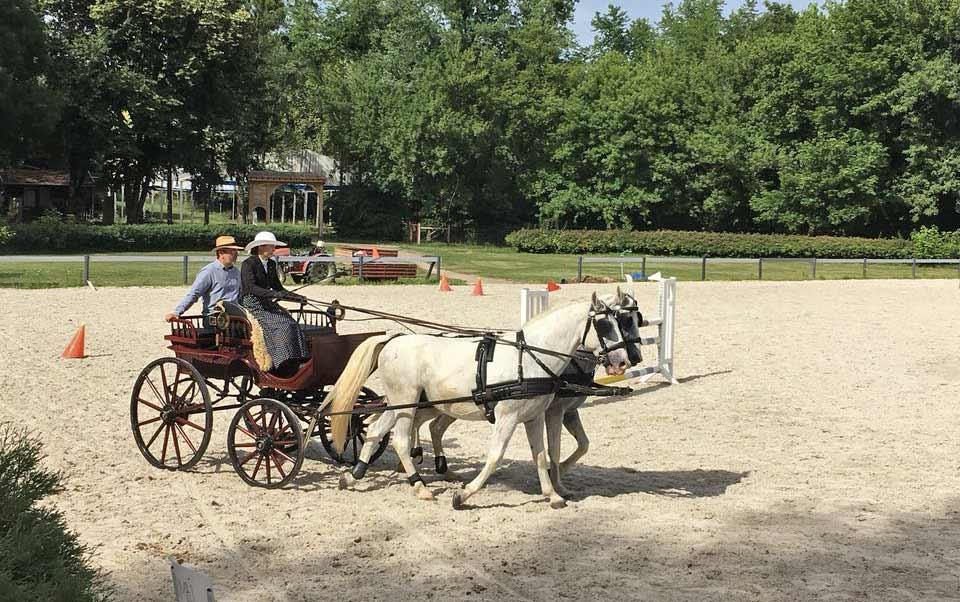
x=598 y=317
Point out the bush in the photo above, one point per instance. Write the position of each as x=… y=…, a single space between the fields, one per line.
x=50 y=234
x=40 y=559
x=931 y=243
x=698 y=244
x=5 y=234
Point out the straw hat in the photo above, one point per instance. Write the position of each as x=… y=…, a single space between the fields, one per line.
x=263 y=238
x=226 y=242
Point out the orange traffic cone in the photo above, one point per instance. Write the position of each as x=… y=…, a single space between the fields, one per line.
x=74 y=348
x=444 y=285
x=376 y=253
x=552 y=286
x=478 y=289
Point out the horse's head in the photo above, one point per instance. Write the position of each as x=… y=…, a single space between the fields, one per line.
x=630 y=319
x=614 y=335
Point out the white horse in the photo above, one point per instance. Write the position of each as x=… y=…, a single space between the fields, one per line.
x=416 y=367
x=563 y=412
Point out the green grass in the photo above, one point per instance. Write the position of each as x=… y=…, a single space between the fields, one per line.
x=508 y=264
x=142 y=273
x=484 y=261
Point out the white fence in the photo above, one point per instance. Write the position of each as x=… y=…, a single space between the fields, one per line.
x=536 y=302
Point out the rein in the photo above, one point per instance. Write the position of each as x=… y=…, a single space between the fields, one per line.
x=339 y=310
x=487 y=395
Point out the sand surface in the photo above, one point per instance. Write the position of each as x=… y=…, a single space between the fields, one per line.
x=809 y=453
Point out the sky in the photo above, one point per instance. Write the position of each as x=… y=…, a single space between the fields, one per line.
x=650 y=9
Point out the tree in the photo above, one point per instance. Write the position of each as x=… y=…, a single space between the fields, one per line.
x=29 y=105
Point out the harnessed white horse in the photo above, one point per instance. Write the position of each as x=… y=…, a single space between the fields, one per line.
x=563 y=412
x=414 y=367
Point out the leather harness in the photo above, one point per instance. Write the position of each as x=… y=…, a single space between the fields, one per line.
x=580 y=382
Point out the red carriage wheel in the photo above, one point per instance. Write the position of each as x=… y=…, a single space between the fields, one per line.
x=170 y=414
x=356 y=434
x=265 y=443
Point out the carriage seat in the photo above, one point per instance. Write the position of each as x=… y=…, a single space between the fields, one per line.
x=236 y=328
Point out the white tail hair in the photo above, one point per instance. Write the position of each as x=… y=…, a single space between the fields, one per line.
x=343 y=396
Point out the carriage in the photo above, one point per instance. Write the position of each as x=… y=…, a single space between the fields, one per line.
x=214 y=369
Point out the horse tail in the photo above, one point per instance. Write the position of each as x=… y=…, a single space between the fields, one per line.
x=343 y=395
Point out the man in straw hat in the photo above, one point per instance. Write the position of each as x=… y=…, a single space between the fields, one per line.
x=217 y=281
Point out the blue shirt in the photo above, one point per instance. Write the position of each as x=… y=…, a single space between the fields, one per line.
x=214 y=283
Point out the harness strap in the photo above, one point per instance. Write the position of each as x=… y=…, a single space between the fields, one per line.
x=488 y=396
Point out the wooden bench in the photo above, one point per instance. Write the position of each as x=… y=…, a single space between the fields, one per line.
x=373 y=270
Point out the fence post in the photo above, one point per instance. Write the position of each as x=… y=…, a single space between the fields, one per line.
x=864 y=267
x=579 y=268
x=813 y=268
x=914 y=267
x=186 y=269
x=703 y=268
x=643 y=266
x=86 y=269
x=438 y=259
x=360 y=270
x=760 y=269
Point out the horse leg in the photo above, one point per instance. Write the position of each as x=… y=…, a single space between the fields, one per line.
x=438 y=427
x=571 y=420
x=417 y=452
x=375 y=433
x=554 y=422
x=535 y=439
x=502 y=431
x=401 y=443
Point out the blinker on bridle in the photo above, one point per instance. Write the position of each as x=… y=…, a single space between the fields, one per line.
x=602 y=325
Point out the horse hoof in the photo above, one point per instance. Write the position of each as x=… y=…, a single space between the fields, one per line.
x=344 y=482
x=558 y=504
x=457 y=501
x=425 y=494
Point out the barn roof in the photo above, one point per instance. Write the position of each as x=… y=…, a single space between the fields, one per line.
x=37 y=177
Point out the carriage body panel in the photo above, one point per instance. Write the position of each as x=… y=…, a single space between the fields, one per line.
x=226 y=350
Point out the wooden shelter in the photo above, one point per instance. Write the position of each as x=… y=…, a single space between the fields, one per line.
x=262 y=184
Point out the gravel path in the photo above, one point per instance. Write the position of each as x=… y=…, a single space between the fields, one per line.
x=810 y=453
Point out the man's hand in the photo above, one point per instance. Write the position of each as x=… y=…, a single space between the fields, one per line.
x=297 y=298
x=170 y=317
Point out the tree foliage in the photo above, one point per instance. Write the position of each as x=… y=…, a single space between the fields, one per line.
x=838 y=119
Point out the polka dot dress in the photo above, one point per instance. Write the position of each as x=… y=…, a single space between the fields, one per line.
x=281 y=332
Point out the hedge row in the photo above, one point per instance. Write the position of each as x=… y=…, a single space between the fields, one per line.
x=48 y=235
x=715 y=244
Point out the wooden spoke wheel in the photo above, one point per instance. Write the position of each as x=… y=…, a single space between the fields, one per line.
x=265 y=444
x=170 y=414
x=356 y=435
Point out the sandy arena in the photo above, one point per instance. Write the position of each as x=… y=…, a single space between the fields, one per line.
x=809 y=453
